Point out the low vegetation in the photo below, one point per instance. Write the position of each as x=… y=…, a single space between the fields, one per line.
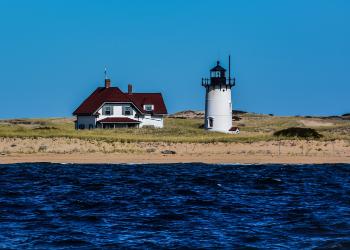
x=253 y=128
x=297 y=132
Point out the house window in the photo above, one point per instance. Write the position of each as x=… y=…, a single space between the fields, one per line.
x=211 y=122
x=148 y=107
x=107 y=110
x=127 y=110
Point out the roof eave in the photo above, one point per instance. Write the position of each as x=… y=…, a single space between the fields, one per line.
x=84 y=114
x=119 y=122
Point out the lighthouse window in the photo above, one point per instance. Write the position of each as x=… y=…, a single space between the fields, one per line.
x=215 y=74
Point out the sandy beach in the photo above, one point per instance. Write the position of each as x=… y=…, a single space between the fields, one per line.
x=65 y=150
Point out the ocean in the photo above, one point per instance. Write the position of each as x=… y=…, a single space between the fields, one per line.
x=174 y=206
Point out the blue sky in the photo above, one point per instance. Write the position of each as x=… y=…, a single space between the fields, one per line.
x=290 y=57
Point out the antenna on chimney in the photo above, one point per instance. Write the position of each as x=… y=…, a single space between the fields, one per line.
x=107 y=80
x=106 y=73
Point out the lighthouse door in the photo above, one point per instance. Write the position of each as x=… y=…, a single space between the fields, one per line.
x=210 y=122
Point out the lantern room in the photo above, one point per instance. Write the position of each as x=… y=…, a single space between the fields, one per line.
x=217 y=71
x=218 y=77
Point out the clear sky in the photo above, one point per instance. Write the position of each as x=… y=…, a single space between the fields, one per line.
x=290 y=57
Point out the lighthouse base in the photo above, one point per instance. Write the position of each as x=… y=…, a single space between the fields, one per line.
x=233 y=130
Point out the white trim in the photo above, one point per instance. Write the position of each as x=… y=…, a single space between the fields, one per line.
x=94 y=113
x=116 y=103
x=144 y=107
x=120 y=122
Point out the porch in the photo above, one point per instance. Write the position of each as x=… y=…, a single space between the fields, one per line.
x=118 y=122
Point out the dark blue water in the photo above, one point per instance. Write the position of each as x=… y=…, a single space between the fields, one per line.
x=53 y=206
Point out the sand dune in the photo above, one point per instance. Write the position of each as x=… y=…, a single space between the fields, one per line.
x=316 y=123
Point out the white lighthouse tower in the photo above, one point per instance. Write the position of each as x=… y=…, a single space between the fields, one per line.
x=218 y=103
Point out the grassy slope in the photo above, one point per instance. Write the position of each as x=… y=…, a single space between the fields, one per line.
x=253 y=128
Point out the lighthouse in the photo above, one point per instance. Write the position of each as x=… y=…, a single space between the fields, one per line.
x=218 y=103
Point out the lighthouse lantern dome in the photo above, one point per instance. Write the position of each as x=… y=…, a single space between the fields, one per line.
x=217 y=71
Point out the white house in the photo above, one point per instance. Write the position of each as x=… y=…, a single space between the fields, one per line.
x=109 y=107
x=218 y=103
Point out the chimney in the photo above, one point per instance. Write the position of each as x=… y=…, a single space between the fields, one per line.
x=107 y=83
x=129 y=89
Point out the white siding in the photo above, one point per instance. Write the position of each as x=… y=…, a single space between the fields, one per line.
x=218 y=106
x=146 y=120
x=117 y=111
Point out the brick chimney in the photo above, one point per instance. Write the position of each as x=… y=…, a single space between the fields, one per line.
x=107 y=83
x=129 y=89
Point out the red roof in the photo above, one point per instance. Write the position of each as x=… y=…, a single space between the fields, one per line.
x=118 y=120
x=140 y=99
x=114 y=94
x=233 y=129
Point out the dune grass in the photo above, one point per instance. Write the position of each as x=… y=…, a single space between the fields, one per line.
x=253 y=128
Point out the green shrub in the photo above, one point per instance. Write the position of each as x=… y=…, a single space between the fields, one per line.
x=298 y=132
